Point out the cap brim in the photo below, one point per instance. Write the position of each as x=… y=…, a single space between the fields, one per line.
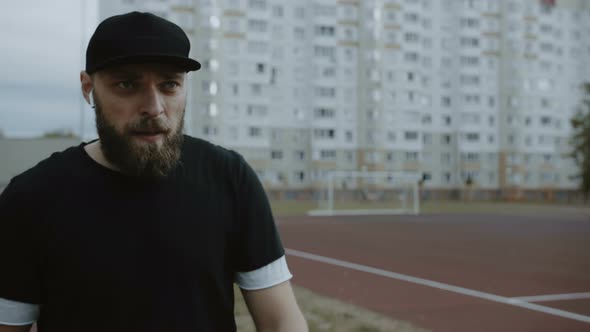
x=185 y=64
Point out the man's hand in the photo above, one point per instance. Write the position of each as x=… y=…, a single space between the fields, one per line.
x=274 y=309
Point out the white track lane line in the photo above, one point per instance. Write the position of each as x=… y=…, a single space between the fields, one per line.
x=439 y=285
x=553 y=297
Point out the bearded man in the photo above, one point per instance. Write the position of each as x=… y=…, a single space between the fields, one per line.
x=144 y=229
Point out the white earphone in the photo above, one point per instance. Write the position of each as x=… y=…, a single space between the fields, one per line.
x=92 y=104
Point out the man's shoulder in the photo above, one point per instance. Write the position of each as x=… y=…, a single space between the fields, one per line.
x=52 y=168
x=199 y=150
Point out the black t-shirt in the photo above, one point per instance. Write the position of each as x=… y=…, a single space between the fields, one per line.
x=101 y=251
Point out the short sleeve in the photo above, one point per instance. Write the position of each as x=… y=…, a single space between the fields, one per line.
x=267 y=276
x=257 y=242
x=19 y=243
x=17 y=313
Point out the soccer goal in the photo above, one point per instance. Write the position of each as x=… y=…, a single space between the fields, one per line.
x=367 y=193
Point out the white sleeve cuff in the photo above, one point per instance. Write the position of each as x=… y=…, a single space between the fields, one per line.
x=267 y=276
x=17 y=313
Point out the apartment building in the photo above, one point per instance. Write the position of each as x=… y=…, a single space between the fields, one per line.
x=452 y=89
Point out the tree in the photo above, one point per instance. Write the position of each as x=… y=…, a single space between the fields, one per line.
x=59 y=133
x=580 y=142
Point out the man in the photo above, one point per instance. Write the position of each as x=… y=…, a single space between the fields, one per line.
x=145 y=229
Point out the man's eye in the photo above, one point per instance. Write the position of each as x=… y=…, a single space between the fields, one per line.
x=170 y=85
x=126 y=84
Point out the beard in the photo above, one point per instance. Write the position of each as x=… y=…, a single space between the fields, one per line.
x=147 y=160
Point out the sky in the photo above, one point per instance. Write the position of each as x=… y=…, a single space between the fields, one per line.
x=40 y=61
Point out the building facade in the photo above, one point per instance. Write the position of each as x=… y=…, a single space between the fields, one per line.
x=452 y=89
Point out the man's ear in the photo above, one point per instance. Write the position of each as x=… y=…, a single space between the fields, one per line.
x=86 y=85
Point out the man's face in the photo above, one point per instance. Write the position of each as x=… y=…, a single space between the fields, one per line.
x=140 y=117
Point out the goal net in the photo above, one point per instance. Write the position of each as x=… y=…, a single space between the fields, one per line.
x=366 y=193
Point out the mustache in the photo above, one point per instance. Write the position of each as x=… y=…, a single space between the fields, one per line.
x=150 y=126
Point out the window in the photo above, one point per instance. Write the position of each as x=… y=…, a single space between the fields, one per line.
x=300 y=176
x=411 y=135
x=411 y=57
x=470 y=80
x=299 y=12
x=469 y=42
x=213 y=88
x=491 y=101
x=233 y=68
x=327 y=154
x=326 y=92
x=470 y=118
x=257 y=47
x=324 y=133
x=254 y=132
x=325 y=52
x=470 y=156
x=447 y=120
x=446 y=101
x=209 y=131
x=390 y=157
x=467 y=22
x=445 y=158
x=411 y=156
x=513 y=101
x=446 y=139
x=257 y=4
x=256 y=89
x=276 y=155
x=350 y=156
x=469 y=61
x=327 y=71
x=348 y=136
x=324 y=113
x=325 y=31
x=411 y=37
x=411 y=17
x=325 y=10
x=447 y=177
x=472 y=137
x=299 y=155
x=391 y=136
x=257 y=25
x=277 y=11
x=471 y=99
x=299 y=33
x=256 y=111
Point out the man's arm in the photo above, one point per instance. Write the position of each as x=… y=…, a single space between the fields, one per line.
x=22 y=328
x=274 y=309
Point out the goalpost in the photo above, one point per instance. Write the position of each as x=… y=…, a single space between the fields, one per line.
x=368 y=193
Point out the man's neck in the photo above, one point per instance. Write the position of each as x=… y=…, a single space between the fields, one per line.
x=95 y=152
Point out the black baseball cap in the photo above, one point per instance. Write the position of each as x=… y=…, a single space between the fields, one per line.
x=138 y=38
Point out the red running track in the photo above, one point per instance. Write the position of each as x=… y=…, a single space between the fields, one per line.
x=508 y=256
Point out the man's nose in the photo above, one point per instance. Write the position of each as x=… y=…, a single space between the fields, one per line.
x=152 y=104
